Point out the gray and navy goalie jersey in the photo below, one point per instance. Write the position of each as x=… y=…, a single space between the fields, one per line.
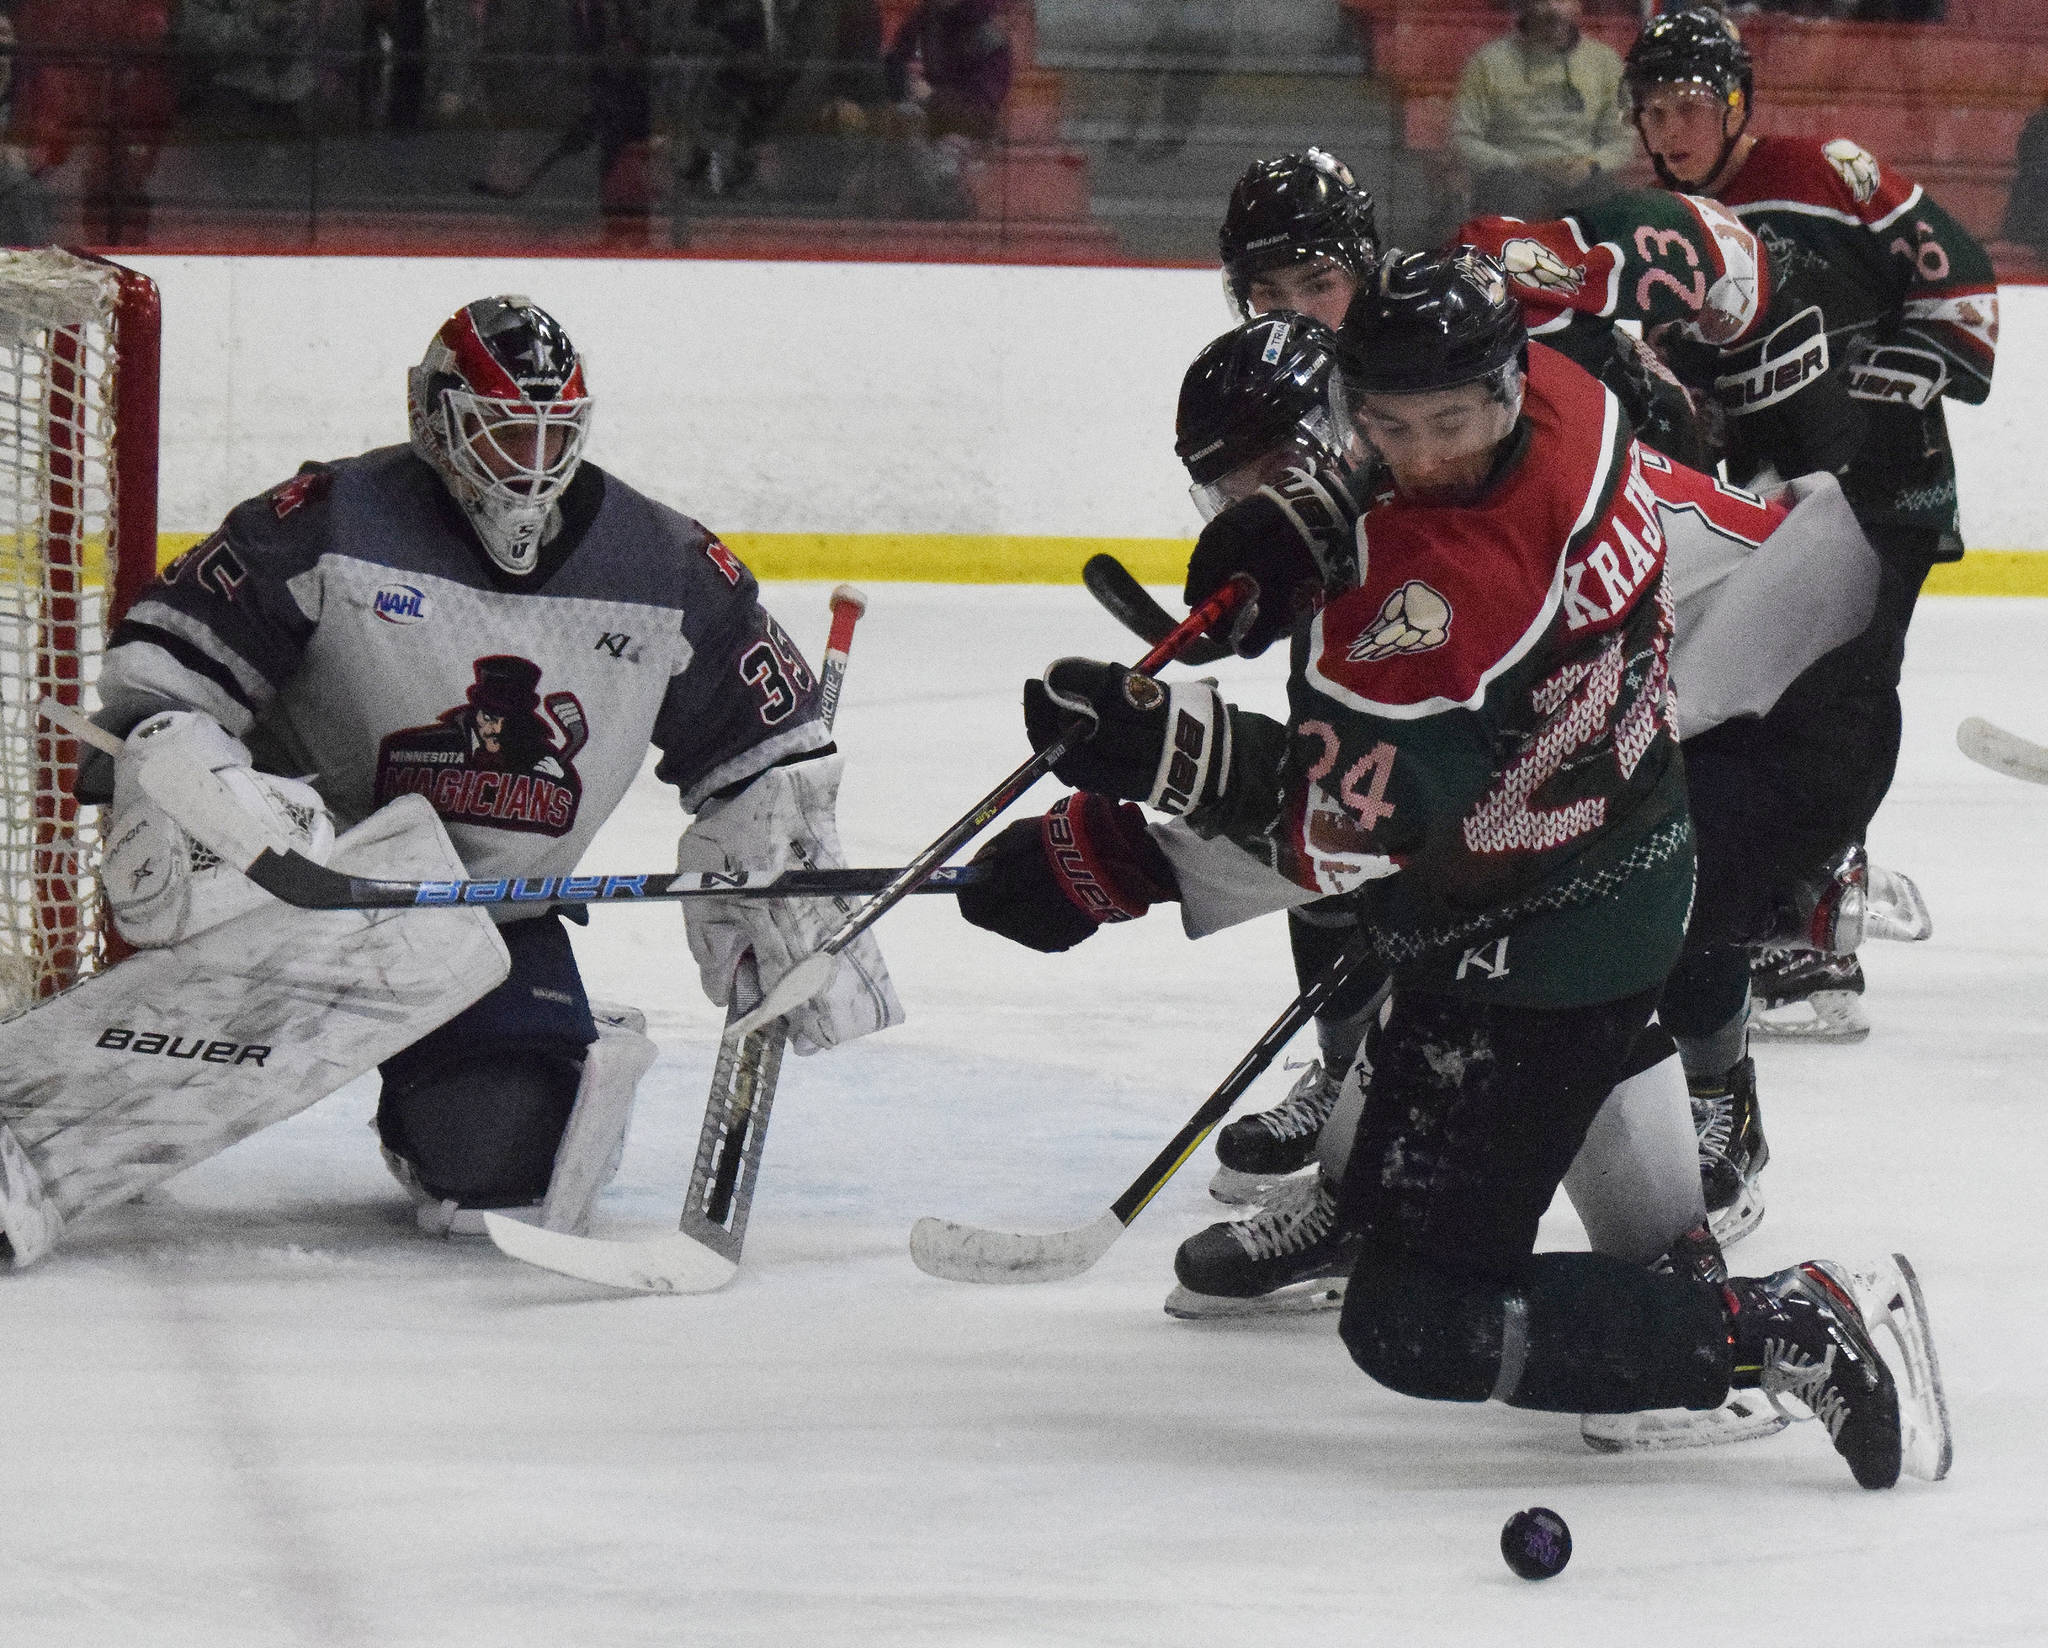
x=346 y=625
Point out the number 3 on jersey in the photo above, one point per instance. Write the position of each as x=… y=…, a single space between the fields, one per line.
x=777 y=672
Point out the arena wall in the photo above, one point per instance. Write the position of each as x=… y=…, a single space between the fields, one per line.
x=958 y=422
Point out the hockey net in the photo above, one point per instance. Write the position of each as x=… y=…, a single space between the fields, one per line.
x=79 y=347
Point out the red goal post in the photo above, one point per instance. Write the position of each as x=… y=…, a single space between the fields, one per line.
x=80 y=362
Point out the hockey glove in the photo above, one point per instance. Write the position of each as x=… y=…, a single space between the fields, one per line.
x=161 y=885
x=1167 y=746
x=1055 y=879
x=783 y=820
x=1295 y=537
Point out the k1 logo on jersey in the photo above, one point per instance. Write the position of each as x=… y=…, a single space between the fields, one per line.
x=400 y=604
x=505 y=758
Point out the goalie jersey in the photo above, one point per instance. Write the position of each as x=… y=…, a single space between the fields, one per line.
x=346 y=625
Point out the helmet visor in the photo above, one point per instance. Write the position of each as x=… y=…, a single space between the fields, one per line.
x=1314 y=441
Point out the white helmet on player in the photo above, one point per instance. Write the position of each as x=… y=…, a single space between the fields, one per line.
x=499 y=407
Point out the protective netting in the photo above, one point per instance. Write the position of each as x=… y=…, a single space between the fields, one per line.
x=57 y=358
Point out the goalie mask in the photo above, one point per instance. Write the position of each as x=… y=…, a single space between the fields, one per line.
x=499 y=408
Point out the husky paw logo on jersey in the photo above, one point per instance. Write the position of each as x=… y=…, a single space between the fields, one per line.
x=1412 y=619
x=1855 y=165
x=1531 y=263
x=504 y=758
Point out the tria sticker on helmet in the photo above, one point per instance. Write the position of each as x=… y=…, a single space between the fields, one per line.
x=1276 y=344
x=1856 y=166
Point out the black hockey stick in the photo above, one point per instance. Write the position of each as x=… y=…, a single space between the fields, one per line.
x=1130 y=603
x=969 y=1253
x=810 y=975
x=704 y=1253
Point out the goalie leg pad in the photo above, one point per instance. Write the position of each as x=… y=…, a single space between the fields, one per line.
x=596 y=1134
x=174 y=1055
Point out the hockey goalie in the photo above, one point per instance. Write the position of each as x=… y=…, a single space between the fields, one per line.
x=470 y=641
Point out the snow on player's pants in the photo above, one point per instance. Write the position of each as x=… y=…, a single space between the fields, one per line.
x=478 y=1107
x=1473 y=1113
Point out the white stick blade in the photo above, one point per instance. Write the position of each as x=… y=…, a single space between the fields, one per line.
x=793 y=989
x=668 y=1264
x=2002 y=751
x=967 y=1253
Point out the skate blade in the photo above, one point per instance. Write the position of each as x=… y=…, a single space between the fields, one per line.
x=1893 y=909
x=1826 y=1015
x=1300 y=1299
x=1235 y=1189
x=1731 y=1223
x=1747 y=1416
x=1895 y=1311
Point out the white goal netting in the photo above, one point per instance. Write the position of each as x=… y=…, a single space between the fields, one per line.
x=57 y=359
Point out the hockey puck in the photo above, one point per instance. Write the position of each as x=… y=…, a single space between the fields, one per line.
x=1536 y=1543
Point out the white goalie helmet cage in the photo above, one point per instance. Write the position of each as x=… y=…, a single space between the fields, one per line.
x=499 y=407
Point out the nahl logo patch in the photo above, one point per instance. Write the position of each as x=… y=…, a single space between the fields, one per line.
x=116 y=1039
x=1415 y=618
x=400 y=604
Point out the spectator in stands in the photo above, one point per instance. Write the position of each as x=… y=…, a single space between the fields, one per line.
x=950 y=69
x=1539 y=124
x=24 y=204
x=2026 y=210
x=102 y=87
x=254 y=69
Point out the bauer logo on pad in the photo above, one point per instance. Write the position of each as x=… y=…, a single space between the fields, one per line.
x=400 y=604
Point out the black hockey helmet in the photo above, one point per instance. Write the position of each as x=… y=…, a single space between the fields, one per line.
x=1694 y=47
x=1285 y=211
x=1261 y=389
x=1431 y=320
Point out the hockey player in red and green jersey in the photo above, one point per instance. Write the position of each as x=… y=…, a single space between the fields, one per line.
x=1488 y=708
x=1911 y=305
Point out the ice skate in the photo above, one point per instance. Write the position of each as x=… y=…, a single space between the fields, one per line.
x=1800 y=1335
x=1894 y=909
x=1733 y=1152
x=1258 y=1151
x=1805 y=996
x=1893 y=1308
x=1288 y=1258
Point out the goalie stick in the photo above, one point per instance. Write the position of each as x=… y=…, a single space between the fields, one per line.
x=704 y=1254
x=969 y=1253
x=2002 y=751
x=219 y=823
x=810 y=975
x=1130 y=603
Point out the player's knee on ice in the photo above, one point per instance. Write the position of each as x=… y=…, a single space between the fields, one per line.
x=477 y=1109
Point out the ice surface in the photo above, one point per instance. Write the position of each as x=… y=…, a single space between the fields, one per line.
x=260 y=1409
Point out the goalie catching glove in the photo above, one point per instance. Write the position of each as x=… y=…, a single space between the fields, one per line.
x=1054 y=880
x=783 y=820
x=161 y=885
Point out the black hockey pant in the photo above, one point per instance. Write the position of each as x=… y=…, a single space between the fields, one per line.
x=1776 y=798
x=478 y=1106
x=1473 y=1113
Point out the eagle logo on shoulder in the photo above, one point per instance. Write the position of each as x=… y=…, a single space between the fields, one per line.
x=1856 y=166
x=1415 y=618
